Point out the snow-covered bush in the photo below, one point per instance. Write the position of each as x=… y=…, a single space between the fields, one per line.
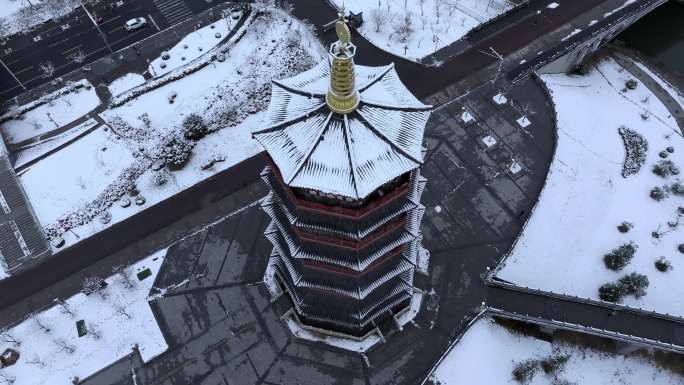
x=555 y=363
x=625 y=227
x=524 y=371
x=618 y=258
x=194 y=127
x=94 y=284
x=636 y=148
x=634 y=284
x=175 y=150
x=663 y=265
x=677 y=188
x=658 y=193
x=611 y=292
x=665 y=168
x=159 y=178
x=631 y=84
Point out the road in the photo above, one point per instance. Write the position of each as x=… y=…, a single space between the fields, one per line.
x=56 y=43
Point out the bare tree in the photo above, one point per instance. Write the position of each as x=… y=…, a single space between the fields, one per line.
x=93 y=331
x=36 y=361
x=4 y=28
x=7 y=378
x=123 y=273
x=64 y=307
x=41 y=325
x=78 y=57
x=47 y=69
x=7 y=337
x=121 y=309
x=27 y=17
x=404 y=28
x=378 y=18
x=64 y=346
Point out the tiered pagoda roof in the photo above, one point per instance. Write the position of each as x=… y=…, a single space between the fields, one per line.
x=349 y=154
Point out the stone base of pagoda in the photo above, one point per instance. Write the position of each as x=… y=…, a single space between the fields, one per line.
x=335 y=336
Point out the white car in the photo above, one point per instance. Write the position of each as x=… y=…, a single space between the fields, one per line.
x=133 y=24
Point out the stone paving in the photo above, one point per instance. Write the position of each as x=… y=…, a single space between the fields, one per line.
x=223 y=328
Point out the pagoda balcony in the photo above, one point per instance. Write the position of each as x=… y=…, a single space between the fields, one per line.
x=401 y=191
x=352 y=245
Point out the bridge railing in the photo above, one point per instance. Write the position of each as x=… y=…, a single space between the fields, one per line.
x=497 y=282
x=582 y=37
x=627 y=338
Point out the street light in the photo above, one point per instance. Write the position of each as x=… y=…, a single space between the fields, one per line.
x=104 y=38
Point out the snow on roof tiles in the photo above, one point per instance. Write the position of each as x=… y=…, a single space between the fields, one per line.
x=350 y=155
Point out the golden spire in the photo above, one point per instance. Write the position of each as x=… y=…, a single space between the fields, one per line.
x=342 y=97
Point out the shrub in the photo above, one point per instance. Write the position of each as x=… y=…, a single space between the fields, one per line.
x=611 y=292
x=665 y=168
x=681 y=248
x=624 y=227
x=554 y=363
x=175 y=151
x=194 y=127
x=634 y=284
x=159 y=178
x=524 y=371
x=663 y=265
x=658 y=193
x=631 y=84
x=618 y=258
x=677 y=188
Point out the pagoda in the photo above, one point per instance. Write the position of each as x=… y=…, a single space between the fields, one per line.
x=345 y=146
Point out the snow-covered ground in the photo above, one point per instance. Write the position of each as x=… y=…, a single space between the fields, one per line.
x=229 y=95
x=22 y=15
x=434 y=24
x=74 y=175
x=40 y=148
x=125 y=83
x=488 y=353
x=193 y=46
x=61 y=109
x=585 y=198
x=46 y=357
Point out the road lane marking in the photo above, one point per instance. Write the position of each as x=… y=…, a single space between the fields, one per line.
x=22 y=70
x=58 y=43
x=116 y=29
x=154 y=22
x=71 y=49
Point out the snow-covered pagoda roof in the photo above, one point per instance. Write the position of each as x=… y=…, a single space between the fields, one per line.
x=352 y=153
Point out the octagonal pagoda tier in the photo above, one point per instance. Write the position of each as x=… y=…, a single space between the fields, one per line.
x=345 y=144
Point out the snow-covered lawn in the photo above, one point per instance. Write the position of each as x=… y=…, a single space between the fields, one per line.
x=74 y=175
x=488 y=353
x=61 y=109
x=41 y=148
x=434 y=24
x=193 y=46
x=125 y=83
x=46 y=357
x=230 y=96
x=586 y=198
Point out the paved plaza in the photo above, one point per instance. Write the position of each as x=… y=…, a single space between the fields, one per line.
x=222 y=327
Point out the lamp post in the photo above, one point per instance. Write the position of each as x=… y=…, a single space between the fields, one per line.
x=104 y=38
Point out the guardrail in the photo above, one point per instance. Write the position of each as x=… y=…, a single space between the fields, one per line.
x=581 y=38
x=639 y=341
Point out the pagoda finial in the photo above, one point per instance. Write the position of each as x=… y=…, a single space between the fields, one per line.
x=342 y=96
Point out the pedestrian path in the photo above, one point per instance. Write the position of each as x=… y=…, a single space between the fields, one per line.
x=174 y=11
